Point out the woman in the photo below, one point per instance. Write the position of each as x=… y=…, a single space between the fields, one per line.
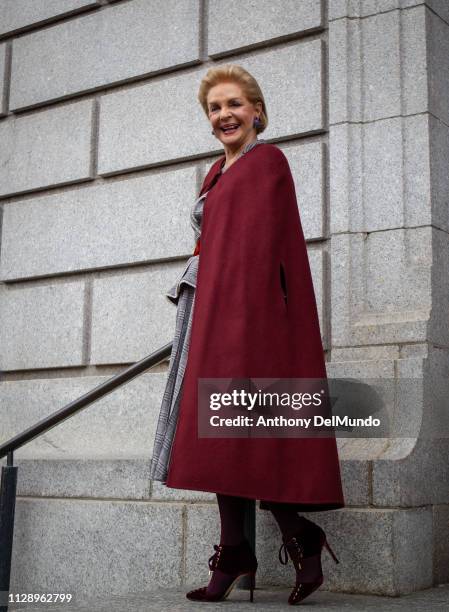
x=246 y=308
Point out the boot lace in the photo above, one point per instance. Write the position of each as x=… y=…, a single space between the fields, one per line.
x=213 y=561
x=295 y=550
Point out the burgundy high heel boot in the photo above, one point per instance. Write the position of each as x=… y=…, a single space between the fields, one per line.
x=304 y=550
x=238 y=560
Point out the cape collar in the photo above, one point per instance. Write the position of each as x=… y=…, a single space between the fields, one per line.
x=216 y=168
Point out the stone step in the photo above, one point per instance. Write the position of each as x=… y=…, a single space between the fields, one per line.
x=121 y=478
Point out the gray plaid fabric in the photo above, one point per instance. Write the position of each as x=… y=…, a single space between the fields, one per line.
x=168 y=416
x=182 y=294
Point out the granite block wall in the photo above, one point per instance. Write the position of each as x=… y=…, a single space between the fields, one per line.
x=103 y=148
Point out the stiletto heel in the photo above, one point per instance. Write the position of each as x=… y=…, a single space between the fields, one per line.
x=252 y=586
x=331 y=552
x=236 y=561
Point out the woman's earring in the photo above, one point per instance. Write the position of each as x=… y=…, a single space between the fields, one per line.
x=257 y=122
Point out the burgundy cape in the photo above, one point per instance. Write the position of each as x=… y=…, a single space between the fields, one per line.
x=242 y=327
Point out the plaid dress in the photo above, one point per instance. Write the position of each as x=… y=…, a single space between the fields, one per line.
x=182 y=294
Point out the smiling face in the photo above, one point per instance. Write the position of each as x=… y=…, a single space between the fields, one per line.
x=227 y=105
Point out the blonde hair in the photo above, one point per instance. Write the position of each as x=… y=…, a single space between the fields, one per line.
x=236 y=74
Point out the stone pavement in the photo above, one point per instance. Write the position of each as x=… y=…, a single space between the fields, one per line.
x=270 y=598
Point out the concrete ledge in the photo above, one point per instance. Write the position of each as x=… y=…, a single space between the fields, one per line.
x=122 y=478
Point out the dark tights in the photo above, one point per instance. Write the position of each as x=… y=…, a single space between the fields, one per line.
x=232 y=516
